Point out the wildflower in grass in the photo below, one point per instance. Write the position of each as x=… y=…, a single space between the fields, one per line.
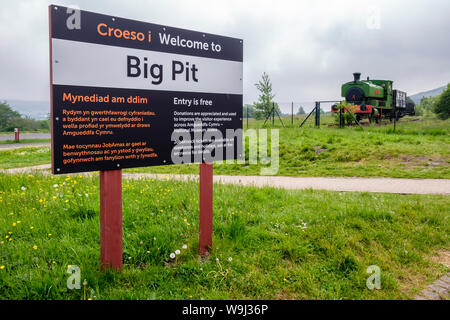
x=55 y=185
x=14 y=224
x=177 y=252
x=18 y=221
x=230 y=259
x=23 y=188
x=172 y=255
x=184 y=246
x=35 y=247
x=2 y=242
x=2 y=267
x=217 y=259
x=49 y=234
x=31 y=227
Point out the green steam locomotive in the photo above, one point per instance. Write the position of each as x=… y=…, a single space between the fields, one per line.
x=373 y=99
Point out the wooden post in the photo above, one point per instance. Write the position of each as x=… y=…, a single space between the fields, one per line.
x=110 y=219
x=206 y=207
x=16 y=134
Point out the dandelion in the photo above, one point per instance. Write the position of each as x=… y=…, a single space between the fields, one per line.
x=18 y=221
x=184 y=246
x=2 y=242
x=172 y=255
x=49 y=234
x=35 y=247
x=177 y=252
x=14 y=224
x=31 y=227
x=2 y=267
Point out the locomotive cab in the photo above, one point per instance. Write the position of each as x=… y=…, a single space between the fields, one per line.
x=371 y=98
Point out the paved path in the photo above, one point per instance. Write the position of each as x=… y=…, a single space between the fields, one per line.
x=4 y=137
x=438 y=290
x=384 y=185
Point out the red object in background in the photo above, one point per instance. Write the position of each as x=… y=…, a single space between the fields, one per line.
x=110 y=219
x=16 y=134
x=206 y=207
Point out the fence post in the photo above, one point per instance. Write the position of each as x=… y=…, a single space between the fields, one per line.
x=110 y=219
x=317 y=114
x=206 y=207
x=247 y=117
x=292 y=113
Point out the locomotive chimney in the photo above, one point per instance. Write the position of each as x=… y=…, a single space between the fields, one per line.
x=356 y=76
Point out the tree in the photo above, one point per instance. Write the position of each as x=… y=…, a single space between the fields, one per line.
x=7 y=117
x=301 y=110
x=442 y=105
x=265 y=101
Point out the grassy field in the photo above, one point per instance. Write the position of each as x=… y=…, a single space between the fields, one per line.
x=24 y=157
x=418 y=149
x=268 y=243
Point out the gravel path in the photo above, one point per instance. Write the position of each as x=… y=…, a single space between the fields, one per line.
x=4 y=147
x=25 y=136
x=383 y=185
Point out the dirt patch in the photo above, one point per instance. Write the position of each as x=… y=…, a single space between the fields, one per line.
x=284 y=296
x=420 y=161
x=319 y=149
x=443 y=257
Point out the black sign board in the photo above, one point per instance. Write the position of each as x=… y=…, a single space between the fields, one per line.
x=126 y=93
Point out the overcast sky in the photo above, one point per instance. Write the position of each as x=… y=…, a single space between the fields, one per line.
x=308 y=48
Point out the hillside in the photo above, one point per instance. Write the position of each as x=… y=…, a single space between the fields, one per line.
x=430 y=93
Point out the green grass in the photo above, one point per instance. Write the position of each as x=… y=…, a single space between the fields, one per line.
x=24 y=157
x=418 y=149
x=24 y=141
x=283 y=244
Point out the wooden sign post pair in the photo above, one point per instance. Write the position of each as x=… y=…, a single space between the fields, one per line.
x=111 y=215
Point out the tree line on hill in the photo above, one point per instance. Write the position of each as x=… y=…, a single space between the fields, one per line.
x=440 y=105
x=10 y=119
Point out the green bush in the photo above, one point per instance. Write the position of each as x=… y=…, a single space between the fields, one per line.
x=442 y=105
